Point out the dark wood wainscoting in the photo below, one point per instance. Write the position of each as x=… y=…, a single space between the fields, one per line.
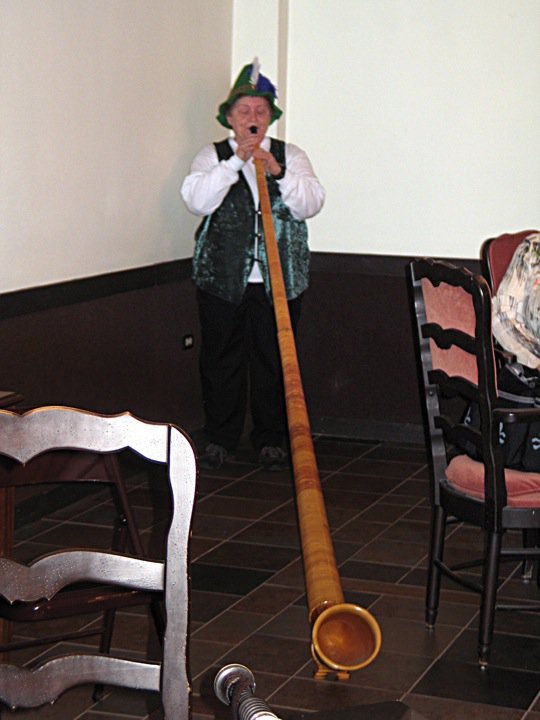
x=116 y=342
x=356 y=348
x=109 y=344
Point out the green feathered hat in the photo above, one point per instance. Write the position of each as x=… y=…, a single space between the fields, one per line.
x=250 y=82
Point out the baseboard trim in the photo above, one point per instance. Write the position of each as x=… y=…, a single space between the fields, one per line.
x=72 y=292
x=358 y=429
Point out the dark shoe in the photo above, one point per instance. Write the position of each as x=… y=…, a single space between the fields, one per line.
x=214 y=457
x=273 y=459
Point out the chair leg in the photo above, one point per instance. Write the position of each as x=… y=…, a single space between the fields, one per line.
x=433 y=589
x=119 y=543
x=535 y=564
x=530 y=540
x=125 y=530
x=104 y=647
x=130 y=526
x=7 y=524
x=489 y=596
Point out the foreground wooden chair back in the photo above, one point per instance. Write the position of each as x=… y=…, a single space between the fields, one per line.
x=469 y=482
x=23 y=437
x=69 y=474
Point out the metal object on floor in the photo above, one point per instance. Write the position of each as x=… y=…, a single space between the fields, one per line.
x=234 y=685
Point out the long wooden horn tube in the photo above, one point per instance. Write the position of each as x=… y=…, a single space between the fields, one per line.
x=345 y=637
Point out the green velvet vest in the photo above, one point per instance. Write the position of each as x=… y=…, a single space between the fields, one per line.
x=225 y=240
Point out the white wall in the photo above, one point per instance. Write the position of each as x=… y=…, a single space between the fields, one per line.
x=103 y=103
x=422 y=118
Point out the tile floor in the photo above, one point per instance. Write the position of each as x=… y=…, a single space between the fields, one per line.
x=248 y=601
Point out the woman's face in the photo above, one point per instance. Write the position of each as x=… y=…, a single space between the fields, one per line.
x=247 y=112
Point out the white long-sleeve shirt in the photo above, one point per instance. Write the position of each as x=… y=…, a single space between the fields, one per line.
x=209 y=181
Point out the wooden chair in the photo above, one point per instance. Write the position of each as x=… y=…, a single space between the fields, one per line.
x=8 y=399
x=65 y=468
x=453 y=314
x=28 y=436
x=496 y=253
x=495 y=256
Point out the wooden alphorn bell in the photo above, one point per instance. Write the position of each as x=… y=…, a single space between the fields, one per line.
x=344 y=636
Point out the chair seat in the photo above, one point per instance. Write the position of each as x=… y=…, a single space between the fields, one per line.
x=467 y=476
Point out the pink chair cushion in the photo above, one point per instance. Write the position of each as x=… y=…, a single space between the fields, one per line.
x=467 y=476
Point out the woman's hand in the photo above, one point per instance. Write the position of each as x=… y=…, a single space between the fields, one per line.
x=269 y=162
x=246 y=146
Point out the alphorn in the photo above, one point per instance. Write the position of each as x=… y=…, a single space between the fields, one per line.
x=344 y=636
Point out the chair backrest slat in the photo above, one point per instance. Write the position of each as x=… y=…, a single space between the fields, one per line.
x=23 y=437
x=43 y=685
x=47 y=576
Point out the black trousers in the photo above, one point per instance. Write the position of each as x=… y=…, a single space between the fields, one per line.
x=240 y=356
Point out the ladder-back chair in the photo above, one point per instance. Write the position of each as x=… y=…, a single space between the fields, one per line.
x=453 y=314
x=495 y=256
x=28 y=436
x=68 y=471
